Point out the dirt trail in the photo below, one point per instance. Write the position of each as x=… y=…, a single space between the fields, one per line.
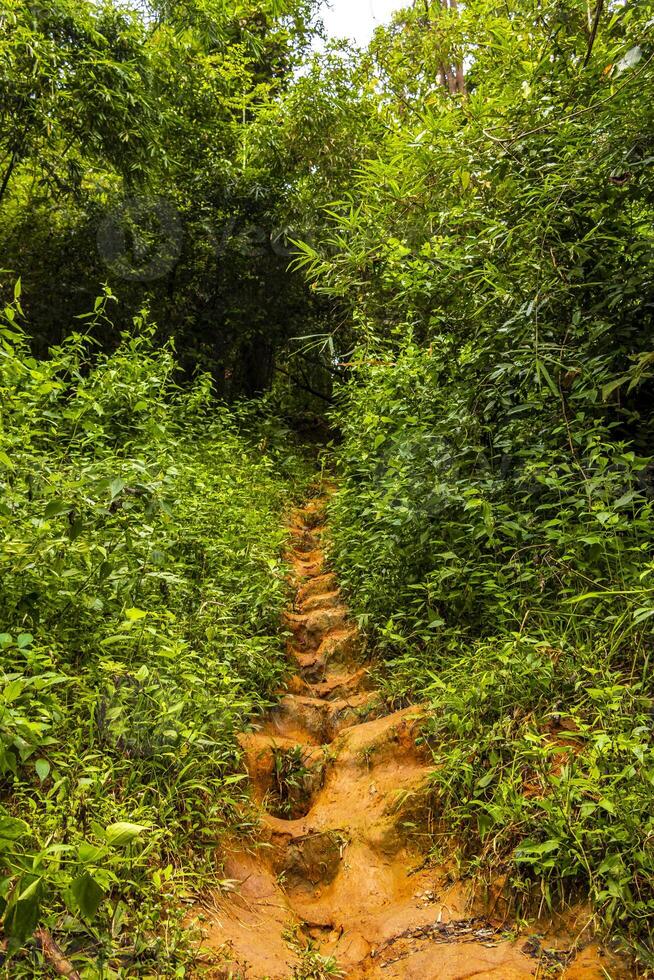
x=347 y=819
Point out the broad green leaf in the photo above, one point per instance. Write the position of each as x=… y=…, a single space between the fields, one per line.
x=120 y=834
x=135 y=614
x=42 y=767
x=55 y=508
x=116 y=487
x=90 y=853
x=12 y=828
x=87 y=894
x=22 y=913
x=13 y=690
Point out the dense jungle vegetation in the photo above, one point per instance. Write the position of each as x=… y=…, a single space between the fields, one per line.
x=215 y=235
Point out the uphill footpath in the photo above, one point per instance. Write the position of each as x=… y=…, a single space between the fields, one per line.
x=341 y=885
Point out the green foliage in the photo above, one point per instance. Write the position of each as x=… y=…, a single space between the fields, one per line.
x=494 y=520
x=141 y=586
x=545 y=755
x=130 y=153
x=552 y=535
x=476 y=200
x=513 y=593
x=73 y=90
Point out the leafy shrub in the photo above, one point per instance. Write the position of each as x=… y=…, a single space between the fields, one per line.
x=512 y=590
x=140 y=590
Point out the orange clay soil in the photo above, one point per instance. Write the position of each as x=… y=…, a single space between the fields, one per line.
x=347 y=819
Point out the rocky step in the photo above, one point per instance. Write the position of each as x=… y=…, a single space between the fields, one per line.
x=309 y=629
x=342 y=884
x=314 y=513
x=350 y=848
x=311 y=666
x=321 y=600
x=341 y=685
x=337 y=684
x=306 y=524
x=318 y=585
x=390 y=739
x=342 y=647
x=378 y=784
x=304 y=857
x=304 y=539
x=317 y=721
x=311 y=565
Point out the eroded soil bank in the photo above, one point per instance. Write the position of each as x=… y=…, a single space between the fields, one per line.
x=348 y=819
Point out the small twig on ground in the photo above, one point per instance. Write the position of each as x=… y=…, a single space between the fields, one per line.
x=54 y=956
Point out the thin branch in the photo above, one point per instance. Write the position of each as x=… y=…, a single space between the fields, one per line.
x=581 y=112
x=305 y=387
x=317 y=364
x=7 y=176
x=593 y=31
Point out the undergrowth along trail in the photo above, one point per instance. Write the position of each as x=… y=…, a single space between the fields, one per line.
x=141 y=586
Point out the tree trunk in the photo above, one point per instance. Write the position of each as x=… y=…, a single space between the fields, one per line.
x=452 y=77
